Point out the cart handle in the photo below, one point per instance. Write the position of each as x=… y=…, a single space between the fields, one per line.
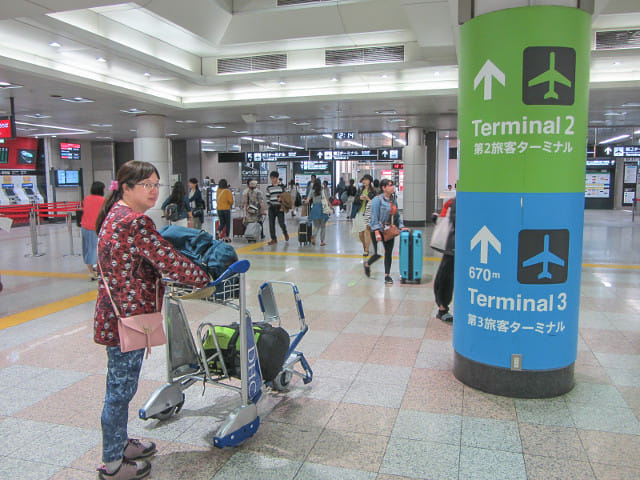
x=241 y=266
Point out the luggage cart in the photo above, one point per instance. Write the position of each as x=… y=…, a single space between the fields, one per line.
x=188 y=362
x=271 y=314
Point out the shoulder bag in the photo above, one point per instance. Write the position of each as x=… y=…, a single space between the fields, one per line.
x=389 y=230
x=138 y=331
x=326 y=208
x=441 y=233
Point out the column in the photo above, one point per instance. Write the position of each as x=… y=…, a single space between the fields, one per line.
x=415 y=176
x=523 y=108
x=151 y=145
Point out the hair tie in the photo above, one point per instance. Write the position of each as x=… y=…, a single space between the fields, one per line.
x=114 y=185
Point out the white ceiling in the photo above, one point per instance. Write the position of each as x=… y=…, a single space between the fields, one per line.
x=177 y=45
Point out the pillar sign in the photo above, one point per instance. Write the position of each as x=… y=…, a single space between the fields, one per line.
x=524 y=76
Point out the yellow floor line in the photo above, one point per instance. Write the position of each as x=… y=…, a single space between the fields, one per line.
x=32 y=314
x=22 y=273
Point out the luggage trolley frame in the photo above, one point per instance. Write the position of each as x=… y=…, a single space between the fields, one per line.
x=271 y=314
x=187 y=361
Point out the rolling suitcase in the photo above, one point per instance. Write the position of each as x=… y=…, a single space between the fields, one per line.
x=411 y=256
x=304 y=232
x=238 y=227
x=252 y=232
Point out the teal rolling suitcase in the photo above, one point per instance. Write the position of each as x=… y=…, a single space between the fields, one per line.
x=410 y=256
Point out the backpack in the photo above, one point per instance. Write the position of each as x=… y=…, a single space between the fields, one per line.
x=272 y=344
x=171 y=212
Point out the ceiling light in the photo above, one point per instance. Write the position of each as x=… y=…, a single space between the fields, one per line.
x=286 y=145
x=327 y=135
x=386 y=112
x=133 y=111
x=216 y=126
x=101 y=125
x=207 y=142
x=101 y=60
x=186 y=121
x=146 y=74
x=171 y=134
x=282 y=83
x=37 y=115
x=387 y=134
x=614 y=114
x=104 y=138
x=614 y=139
x=252 y=139
x=241 y=132
x=9 y=85
x=437 y=74
x=25 y=129
x=617 y=62
x=384 y=75
x=54 y=44
x=334 y=79
x=77 y=100
x=355 y=144
x=631 y=104
x=279 y=117
x=396 y=120
x=637 y=132
x=302 y=124
x=400 y=141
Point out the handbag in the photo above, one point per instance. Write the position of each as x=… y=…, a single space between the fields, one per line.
x=138 y=331
x=441 y=233
x=326 y=208
x=390 y=230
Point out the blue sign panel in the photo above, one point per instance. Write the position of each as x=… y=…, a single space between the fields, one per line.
x=517 y=278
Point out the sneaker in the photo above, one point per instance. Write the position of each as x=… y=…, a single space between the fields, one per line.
x=447 y=317
x=272 y=242
x=441 y=313
x=135 y=449
x=367 y=270
x=127 y=471
x=286 y=237
x=388 y=280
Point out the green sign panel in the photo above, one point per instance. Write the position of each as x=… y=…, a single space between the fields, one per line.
x=523 y=93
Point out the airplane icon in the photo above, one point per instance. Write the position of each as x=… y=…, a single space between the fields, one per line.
x=550 y=76
x=545 y=257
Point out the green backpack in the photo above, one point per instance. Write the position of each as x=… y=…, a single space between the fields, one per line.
x=272 y=344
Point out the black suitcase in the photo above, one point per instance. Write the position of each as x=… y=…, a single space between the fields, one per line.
x=304 y=233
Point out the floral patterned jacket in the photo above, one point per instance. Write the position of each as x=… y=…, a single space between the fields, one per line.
x=132 y=256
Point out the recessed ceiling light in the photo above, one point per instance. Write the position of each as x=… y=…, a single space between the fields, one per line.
x=104 y=138
x=631 y=104
x=216 y=126
x=207 y=142
x=133 y=111
x=186 y=121
x=54 y=44
x=171 y=134
x=384 y=75
x=637 y=132
x=282 y=82
x=386 y=112
x=436 y=74
x=327 y=135
x=132 y=130
x=101 y=60
x=334 y=79
x=396 y=120
x=614 y=114
x=617 y=62
x=302 y=124
x=101 y=125
x=77 y=100
x=146 y=74
x=37 y=115
x=240 y=131
x=279 y=117
x=9 y=85
x=614 y=139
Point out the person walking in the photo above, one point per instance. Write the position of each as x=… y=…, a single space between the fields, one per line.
x=273 y=196
x=351 y=191
x=196 y=203
x=90 y=208
x=384 y=212
x=295 y=197
x=224 y=202
x=316 y=215
x=362 y=206
x=443 y=282
x=178 y=198
x=132 y=259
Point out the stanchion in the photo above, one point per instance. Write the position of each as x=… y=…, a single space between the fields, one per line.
x=70 y=229
x=34 y=234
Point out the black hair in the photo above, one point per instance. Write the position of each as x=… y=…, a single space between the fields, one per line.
x=384 y=182
x=223 y=183
x=130 y=173
x=195 y=182
x=97 y=188
x=177 y=193
x=317 y=187
x=274 y=174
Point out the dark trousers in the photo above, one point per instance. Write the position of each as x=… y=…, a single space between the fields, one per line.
x=388 y=251
x=275 y=212
x=225 y=222
x=443 y=283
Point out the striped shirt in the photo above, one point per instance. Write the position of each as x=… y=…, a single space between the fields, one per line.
x=274 y=192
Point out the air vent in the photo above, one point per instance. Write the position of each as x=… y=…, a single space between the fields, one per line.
x=352 y=56
x=617 y=39
x=286 y=3
x=257 y=63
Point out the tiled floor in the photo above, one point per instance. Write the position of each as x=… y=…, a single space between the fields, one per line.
x=383 y=403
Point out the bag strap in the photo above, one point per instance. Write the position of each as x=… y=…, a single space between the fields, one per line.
x=115 y=309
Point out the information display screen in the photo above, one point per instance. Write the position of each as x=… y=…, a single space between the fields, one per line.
x=70 y=151
x=26 y=157
x=68 y=178
x=597 y=185
x=7 y=127
x=297 y=155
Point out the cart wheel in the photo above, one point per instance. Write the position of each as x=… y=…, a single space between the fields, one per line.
x=169 y=412
x=282 y=380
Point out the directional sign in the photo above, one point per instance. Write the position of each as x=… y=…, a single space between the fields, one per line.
x=486 y=73
x=485 y=238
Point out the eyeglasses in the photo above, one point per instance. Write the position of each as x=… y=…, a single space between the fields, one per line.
x=150 y=187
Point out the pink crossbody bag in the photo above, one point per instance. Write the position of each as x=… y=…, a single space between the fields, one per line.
x=138 y=331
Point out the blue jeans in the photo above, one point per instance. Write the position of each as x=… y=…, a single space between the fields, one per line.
x=123 y=371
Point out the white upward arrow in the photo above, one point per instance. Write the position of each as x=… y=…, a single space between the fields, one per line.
x=485 y=238
x=488 y=71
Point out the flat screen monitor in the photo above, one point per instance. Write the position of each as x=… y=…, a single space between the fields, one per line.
x=7 y=127
x=26 y=157
x=68 y=178
x=69 y=151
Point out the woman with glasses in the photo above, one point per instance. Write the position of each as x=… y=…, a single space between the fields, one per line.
x=384 y=211
x=132 y=259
